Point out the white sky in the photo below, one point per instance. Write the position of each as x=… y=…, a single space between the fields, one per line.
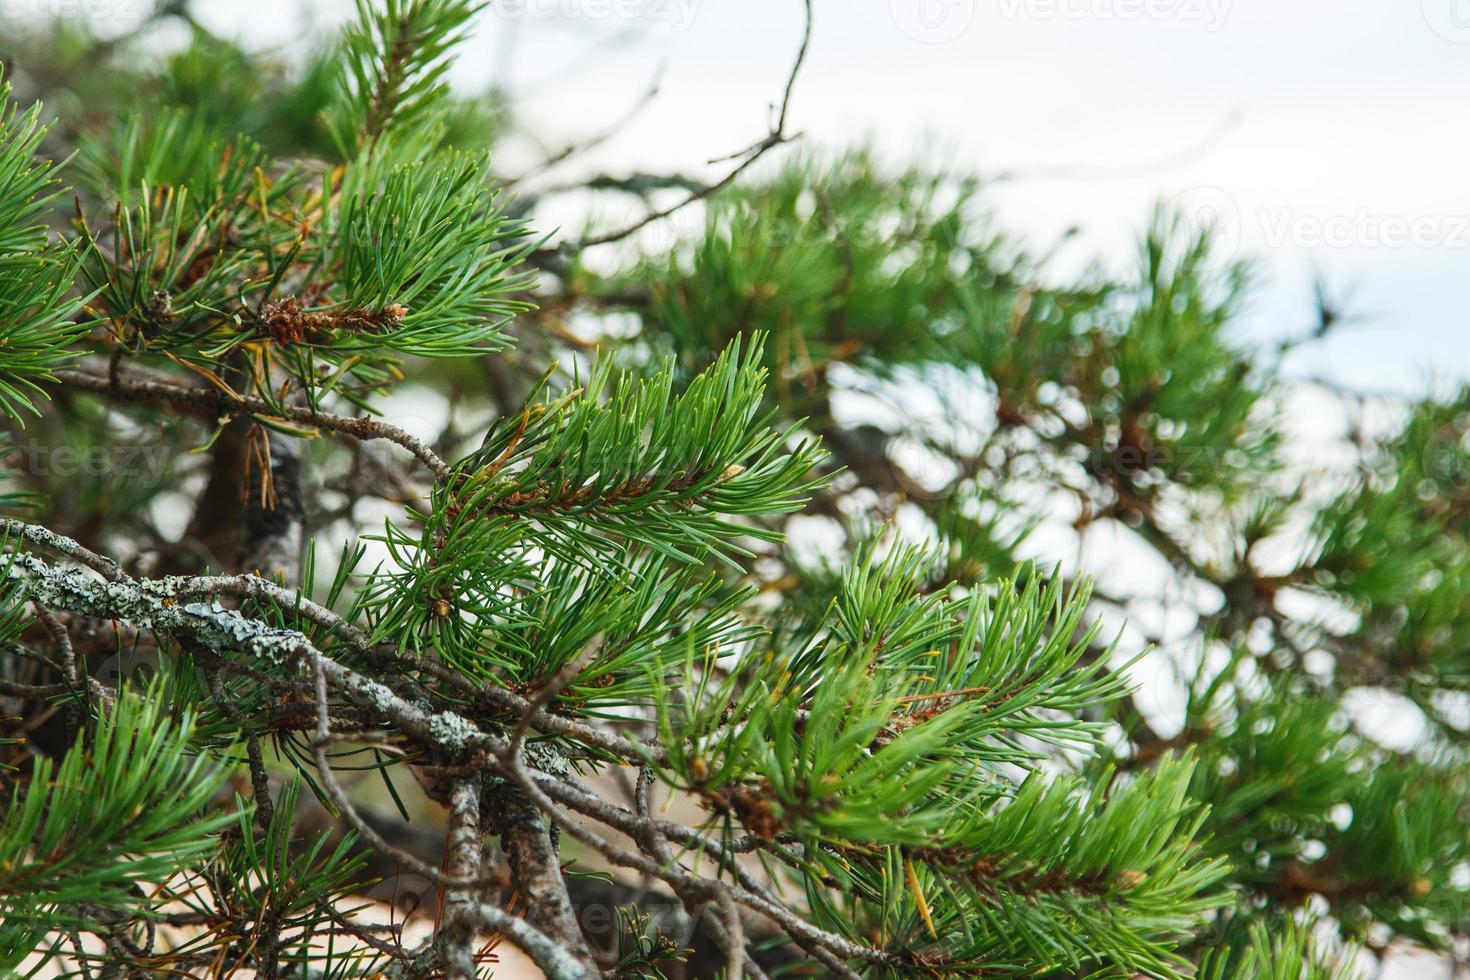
x=1329 y=135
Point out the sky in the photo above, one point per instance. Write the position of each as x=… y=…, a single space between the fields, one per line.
x=1326 y=137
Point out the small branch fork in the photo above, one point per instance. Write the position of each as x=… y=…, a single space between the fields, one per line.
x=747 y=157
x=525 y=803
x=217 y=402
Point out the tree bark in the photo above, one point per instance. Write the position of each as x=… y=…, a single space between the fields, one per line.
x=535 y=869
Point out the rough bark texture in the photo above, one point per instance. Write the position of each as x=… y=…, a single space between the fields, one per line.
x=462 y=852
x=535 y=869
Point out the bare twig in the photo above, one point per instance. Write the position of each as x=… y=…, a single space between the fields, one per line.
x=536 y=872
x=597 y=139
x=64 y=546
x=553 y=960
x=320 y=743
x=747 y=157
x=218 y=402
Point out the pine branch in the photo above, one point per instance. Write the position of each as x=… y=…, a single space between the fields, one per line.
x=392 y=66
x=122 y=808
x=913 y=753
x=629 y=459
x=214 y=402
x=36 y=275
x=153 y=606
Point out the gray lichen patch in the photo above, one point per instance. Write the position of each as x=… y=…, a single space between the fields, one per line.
x=152 y=605
x=451 y=731
x=379 y=695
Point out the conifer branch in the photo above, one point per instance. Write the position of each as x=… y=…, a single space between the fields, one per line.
x=909 y=750
x=217 y=402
